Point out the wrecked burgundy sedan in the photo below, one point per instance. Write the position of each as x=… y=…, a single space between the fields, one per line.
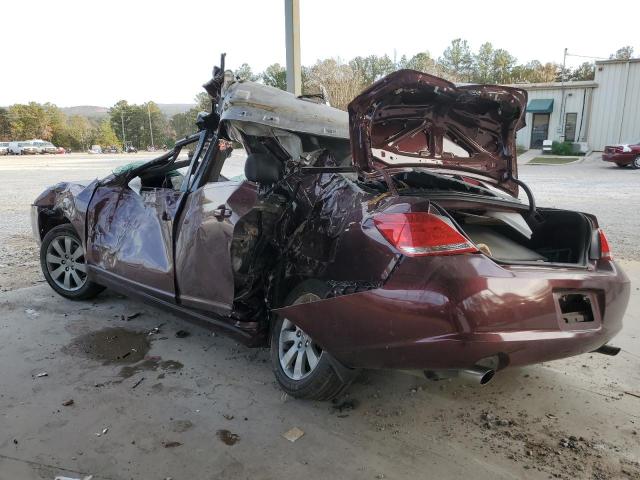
x=388 y=237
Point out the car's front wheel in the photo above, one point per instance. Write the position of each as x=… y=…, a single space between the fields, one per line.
x=63 y=263
x=636 y=163
x=301 y=366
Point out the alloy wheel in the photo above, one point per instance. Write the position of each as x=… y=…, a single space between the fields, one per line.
x=299 y=355
x=636 y=162
x=66 y=263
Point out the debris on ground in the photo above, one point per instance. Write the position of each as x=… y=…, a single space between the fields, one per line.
x=104 y=432
x=41 y=374
x=67 y=403
x=182 y=333
x=228 y=416
x=344 y=405
x=155 y=330
x=31 y=312
x=171 y=444
x=294 y=434
x=122 y=357
x=227 y=437
x=137 y=383
x=126 y=317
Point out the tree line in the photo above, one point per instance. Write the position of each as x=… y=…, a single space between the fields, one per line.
x=338 y=81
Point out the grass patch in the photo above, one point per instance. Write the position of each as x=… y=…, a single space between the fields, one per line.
x=552 y=160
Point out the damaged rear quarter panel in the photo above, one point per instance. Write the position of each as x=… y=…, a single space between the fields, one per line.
x=329 y=243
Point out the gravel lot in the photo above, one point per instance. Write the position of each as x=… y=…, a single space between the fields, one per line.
x=205 y=407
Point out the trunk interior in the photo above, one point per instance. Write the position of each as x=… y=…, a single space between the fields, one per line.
x=500 y=226
x=553 y=236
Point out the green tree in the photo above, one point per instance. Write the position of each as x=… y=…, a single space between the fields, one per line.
x=501 y=65
x=80 y=133
x=623 y=53
x=275 y=75
x=586 y=71
x=184 y=124
x=203 y=102
x=245 y=73
x=5 y=124
x=338 y=82
x=457 y=60
x=371 y=68
x=421 y=62
x=105 y=135
x=131 y=119
x=29 y=121
x=483 y=64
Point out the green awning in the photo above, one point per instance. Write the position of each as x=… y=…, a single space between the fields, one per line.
x=540 y=105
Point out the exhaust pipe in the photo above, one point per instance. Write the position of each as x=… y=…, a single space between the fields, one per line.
x=608 y=350
x=477 y=374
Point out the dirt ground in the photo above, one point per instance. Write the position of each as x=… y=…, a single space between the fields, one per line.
x=127 y=397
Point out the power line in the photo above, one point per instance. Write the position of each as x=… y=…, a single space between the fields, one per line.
x=586 y=56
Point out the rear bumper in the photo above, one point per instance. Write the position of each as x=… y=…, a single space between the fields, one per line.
x=451 y=312
x=620 y=158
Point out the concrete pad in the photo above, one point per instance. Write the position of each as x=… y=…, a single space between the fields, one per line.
x=193 y=389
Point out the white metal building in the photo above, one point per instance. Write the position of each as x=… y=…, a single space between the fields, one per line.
x=602 y=112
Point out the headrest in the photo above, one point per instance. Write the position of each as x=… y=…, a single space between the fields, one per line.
x=263 y=168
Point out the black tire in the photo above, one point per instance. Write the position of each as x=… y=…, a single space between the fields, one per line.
x=636 y=163
x=322 y=382
x=88 y=289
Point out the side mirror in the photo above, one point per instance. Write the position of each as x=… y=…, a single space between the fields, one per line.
x=263 y=168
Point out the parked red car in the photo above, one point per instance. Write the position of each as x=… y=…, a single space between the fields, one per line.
x=623 y=155
x=391 y=237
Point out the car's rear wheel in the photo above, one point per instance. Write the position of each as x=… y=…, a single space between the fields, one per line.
x=636 y=163
x=63 y=263
x=301 y=366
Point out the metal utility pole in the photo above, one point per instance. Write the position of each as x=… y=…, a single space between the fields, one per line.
x=562 y=119
x=124 y=138
x=150 y=126
x=292 y=36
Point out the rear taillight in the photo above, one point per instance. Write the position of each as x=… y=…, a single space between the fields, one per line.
x=605 y=250
x=421 y=233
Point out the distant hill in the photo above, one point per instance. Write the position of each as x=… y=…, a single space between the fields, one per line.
x=85 y=111
x=169 y=109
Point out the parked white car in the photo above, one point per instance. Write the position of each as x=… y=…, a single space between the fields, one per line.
x=95 y=149
x=22 y=148
x=44 y=147
x=4 y=148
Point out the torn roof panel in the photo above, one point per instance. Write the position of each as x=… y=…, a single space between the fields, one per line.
x=257 y=103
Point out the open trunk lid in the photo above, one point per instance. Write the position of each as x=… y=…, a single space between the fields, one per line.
x=412 y=119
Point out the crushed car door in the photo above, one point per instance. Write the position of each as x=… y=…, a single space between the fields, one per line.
x=130 y=225
x=204 y=273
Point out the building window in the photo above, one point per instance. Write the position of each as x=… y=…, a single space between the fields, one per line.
x=570 y=127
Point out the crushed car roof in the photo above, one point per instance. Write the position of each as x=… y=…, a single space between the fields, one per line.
x=265 y=105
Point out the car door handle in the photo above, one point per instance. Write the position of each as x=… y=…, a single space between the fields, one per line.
x=222 y=212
